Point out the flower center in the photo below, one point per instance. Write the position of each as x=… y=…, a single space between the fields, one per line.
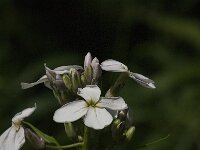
x=91 y=103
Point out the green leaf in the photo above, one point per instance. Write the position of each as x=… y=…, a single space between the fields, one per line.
x=45 y=137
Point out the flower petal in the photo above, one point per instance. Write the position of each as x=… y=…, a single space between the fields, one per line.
x=113 y=66
x=97 y=118
x=146 y=82
x=12 y=139
x=62 y=68
x=29 y=85
x=113 y=103
x=21 y=115
x=70 y=112
x=57 y=70
x=90 y=92
x=19 y=138
x=3 y=138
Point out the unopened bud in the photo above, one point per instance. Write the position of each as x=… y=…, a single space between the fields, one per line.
x=76 y=80
x=59 y=83
x=115 y=124
x=96 y=71
x=129 y=133
x=88 y=60
x=83 y=80
x=121 y=126
x=118 y=131
x=36 y=141
x=67 y=81
x=88 y=74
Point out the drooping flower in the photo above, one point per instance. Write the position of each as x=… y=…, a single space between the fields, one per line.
x=14 y=138
x=116 y=66
x=93 y=108
x=46 y=79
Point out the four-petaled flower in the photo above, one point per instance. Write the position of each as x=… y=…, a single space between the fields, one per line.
x=93 y=108
x=13 y=138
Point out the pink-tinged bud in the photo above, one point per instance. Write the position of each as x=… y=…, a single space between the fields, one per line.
x=96 y=69
x=36 y=141
x=88 y=60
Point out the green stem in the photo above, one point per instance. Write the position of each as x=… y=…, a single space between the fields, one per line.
x=65 y=146
x=118 y=85
x=86 y=138
x=69 y=130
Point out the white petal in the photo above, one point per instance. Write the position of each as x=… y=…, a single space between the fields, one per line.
x=12 y=139
x=3 y=138
x=48 y=85
x=62 y=68
x=19 y=138
x=113 y=103
x=146 y=82
x=29 y=85
x=54 y=72
x=89 y=93
x=113 y=66
x=21 y=115
x=70 y=112
x=97 y=118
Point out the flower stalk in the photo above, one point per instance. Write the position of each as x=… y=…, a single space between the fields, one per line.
x=65 y=146
x=86 y=139
x=118 y=85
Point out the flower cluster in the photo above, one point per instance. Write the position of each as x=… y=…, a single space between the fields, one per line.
x=79 y=95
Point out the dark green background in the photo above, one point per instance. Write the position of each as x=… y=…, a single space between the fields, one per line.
x=157 y=38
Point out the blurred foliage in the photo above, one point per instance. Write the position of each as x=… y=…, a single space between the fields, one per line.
x=158 y=38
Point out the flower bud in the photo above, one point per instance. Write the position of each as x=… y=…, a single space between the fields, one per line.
x=96 y=69
x=59 y=83
x=88 y=60
x=121 y=126
x=36 y=141
x=118 y=131
x=88 y=73
x=115 y=123
x=83 y=80
x=76 y=80
x=129 y=133
x=67 y=81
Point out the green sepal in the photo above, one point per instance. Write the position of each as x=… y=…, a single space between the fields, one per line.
x=67 y=81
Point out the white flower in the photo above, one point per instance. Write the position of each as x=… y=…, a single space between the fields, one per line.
x=13 y=138
x=44 y=79
x=116 y=66
x=93 y=108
